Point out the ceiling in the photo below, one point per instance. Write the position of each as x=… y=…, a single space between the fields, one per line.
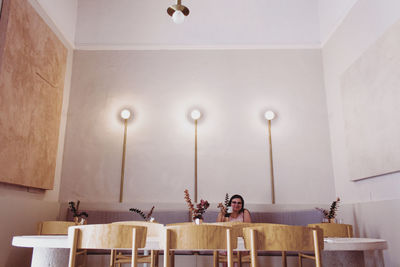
x=224 y=24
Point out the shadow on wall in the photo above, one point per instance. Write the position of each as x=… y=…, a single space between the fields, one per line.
x=19 y=256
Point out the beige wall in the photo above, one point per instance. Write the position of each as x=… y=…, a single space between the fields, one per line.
x=378 y=197
x=233 y=88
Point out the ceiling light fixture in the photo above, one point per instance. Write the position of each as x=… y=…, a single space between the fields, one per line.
x=178 y=12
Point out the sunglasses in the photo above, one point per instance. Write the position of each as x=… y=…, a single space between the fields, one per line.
x=235 y=202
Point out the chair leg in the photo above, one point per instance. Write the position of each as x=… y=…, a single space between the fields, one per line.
x=116 y=259
x=317 y=249
x=134 y=249
x=73 y=246
x=215 y=258
x=284 y=259
x=172 y=258
x=112 y=258
x=253 y=250
x=152 y=258
x=156 y=258
x=85 y=258
x=239 y=258
x=300 y=261
x=229 y=254
x=166 y=249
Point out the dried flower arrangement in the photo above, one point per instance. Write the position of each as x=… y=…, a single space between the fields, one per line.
x=331 y=213
x=198 y=211
x=79 y=217
x=146 y=217
x=224 y=207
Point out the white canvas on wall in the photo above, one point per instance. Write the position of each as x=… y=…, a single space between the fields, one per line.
x=371 y=98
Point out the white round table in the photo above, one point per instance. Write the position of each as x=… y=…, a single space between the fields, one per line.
x=54 y=250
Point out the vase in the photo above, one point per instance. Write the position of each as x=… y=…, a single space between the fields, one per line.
x=198 y=221
x=80 y=221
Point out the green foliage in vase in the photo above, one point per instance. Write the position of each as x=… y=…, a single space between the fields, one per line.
x=226 y=200
x=146 y=217
x=331 y=213
x=75 y=210
x=224 y=207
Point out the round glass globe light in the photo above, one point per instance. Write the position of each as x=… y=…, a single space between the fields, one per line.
x=269 y=115
x=195 y=114
x=178 y=17
x=125 y=114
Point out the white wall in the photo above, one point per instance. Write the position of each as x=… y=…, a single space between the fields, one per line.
x=63 y=14
x=233 y=88
x=210 y=23
x=365 y=23
x=331 y=15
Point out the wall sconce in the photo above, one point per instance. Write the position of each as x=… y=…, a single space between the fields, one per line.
x=269 y=116
x=178 y=12
x=195 y=115
x=125 y=115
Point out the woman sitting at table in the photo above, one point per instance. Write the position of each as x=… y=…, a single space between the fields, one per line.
x=238 y=212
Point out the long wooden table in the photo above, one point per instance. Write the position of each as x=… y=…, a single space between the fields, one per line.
x=55 y=249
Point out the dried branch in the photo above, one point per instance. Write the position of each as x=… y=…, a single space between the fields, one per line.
x=148 y=216
x=197 y=213
x=188 y=200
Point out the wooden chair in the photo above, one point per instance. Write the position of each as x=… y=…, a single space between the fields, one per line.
x=335 y=229
x=153 y=230
x=106 y=236
x=198 y=237
x=329 y=230
x=275 y=237
x=53 y=227
x=60 y=228
x=237 y=231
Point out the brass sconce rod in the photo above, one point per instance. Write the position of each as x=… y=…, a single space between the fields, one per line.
x=121 y=192
x=271 y=163
x=195 y=161
x=195 y=114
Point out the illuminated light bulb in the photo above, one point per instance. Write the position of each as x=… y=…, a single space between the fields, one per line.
x=195 y=114
x=178 y=17
x=125 y=114
x=269 y=115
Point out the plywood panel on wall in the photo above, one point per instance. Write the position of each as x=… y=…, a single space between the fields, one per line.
x=32 y=70
x=371 y=102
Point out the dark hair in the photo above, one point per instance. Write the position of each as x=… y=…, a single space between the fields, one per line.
x=241 y=198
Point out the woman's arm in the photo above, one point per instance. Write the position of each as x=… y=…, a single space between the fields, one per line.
x=221 y=217
x=246 y=216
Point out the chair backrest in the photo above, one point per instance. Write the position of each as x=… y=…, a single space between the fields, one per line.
x=53 y=227
x=106 y=236
x=237 y=227
x=279 y=237
x=335 y=229
x=203 y=236
x=153 y=229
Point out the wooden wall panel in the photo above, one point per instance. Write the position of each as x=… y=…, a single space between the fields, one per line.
x=32 y=70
